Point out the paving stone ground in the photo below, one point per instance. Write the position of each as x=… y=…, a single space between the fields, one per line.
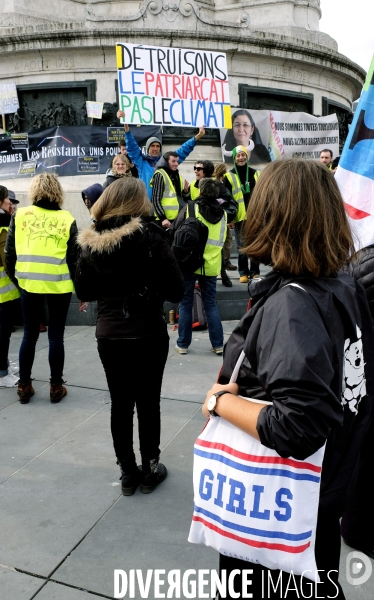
x=64 y=525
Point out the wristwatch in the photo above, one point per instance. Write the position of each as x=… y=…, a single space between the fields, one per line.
x=212 y=402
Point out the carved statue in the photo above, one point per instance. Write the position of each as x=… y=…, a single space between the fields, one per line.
x=83 y=115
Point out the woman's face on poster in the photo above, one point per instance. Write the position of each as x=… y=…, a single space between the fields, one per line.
x=243 y=129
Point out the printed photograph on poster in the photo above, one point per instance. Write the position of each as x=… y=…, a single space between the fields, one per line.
x=269 y=135
x=173 y=86
x=247 y=127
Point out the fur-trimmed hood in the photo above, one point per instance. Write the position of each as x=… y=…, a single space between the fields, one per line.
x=108 y=240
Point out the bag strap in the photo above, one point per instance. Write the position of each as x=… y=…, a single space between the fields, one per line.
x=191 y=209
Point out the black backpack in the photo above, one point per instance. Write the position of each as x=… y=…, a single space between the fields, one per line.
x=189 y=242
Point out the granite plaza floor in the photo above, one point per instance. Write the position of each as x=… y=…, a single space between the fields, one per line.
x=64 y=524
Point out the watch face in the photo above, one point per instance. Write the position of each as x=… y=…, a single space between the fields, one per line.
x=212 y=403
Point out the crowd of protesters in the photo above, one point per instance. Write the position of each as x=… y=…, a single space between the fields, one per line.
x=301 y=400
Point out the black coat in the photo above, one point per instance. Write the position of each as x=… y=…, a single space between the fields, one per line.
x=127 y=266
x=302 y=354
x=362 y=268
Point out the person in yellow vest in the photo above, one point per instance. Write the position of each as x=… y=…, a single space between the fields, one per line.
x=202 y=170
x=9 y=295
x=41 y=254
x=167 y=188
x=241 y=181
x=211 y=213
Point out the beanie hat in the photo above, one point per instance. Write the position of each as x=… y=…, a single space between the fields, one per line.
x=239 y=149
x=152 y=140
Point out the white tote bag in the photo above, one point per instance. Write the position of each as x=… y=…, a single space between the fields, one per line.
x=252 y=504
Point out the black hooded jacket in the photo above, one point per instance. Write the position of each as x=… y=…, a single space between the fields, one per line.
x=303 y=341
x=127 y=266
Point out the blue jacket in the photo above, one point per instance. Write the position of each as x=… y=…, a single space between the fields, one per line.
x=146 y=164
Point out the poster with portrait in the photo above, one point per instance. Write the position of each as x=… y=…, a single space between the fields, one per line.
x=277 y=134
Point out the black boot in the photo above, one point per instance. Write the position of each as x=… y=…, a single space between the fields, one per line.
x=226 y=281
x=153 y=473
x=130 y=476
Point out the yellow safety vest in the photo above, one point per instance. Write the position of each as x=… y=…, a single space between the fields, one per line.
x=241 y=213
x=237 y=194
x=169 y=200
x=194 y=191
x=8 y=291
x=213 y=248
x=41 y=244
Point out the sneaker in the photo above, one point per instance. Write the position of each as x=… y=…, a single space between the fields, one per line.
x=57 y=392
x=254 y=276
x=230 y=267
x=13 y=368
x=9 y=380
x=243 y=278
x=152 y=477
x=181 y=350
x=25 y=391
x=217 y=350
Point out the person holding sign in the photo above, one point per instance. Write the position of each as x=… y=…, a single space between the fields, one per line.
x=297 y=380
x=146 y=165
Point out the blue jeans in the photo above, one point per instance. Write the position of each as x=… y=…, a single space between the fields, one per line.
x=208 y=292
x=8 y=312
x=32 y=309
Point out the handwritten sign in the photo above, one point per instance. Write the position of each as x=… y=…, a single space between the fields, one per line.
x=94 y=109
x=8 y=98
x=173 y=86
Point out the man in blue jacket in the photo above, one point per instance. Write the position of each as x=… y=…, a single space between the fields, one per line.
x=146 y=163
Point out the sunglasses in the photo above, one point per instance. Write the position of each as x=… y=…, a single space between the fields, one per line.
x=198 y=169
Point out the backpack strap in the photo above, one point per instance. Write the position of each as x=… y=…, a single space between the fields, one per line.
x=191 y=209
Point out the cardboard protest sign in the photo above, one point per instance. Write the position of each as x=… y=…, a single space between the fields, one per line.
x=94 y=109
x=278 y=134
x=8 y=98
x=173 y=86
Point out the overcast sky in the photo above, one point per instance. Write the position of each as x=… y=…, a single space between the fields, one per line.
x=350 y=23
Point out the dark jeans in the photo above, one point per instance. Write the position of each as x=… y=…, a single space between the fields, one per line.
x=134 y=370
x=243 y=268
x=8 y=311
x=32 y=309
x=327 y=553
x=208 y=293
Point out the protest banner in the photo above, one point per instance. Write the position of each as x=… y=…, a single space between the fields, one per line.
x=173 y=86
x=8 y=98
x=355 y=173
x=94 y=109
x=278 y=134
x=67 y=150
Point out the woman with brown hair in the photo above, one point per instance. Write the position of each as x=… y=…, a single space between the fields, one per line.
x=305 y=345
x=121 y=167
x=41 y=253
x=126 y=264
